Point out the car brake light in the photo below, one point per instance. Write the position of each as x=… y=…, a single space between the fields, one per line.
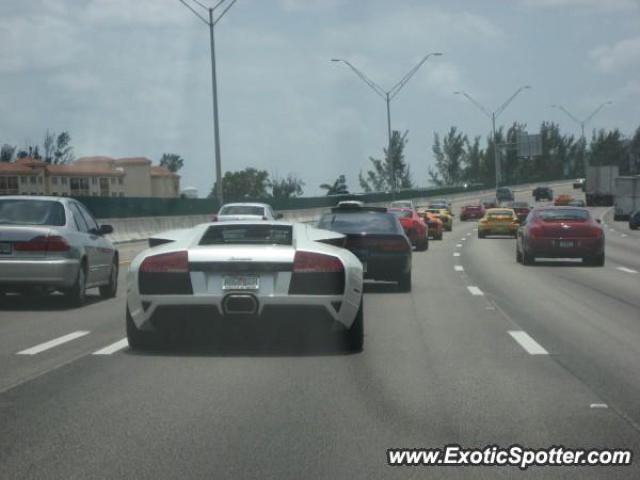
x=43 y=243
x=394 y=245
x=173 y=262
x=305 y=262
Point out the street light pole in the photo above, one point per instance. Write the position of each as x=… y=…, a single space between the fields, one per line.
x=493 y=116
x=211 y=23
x=387 y=96
x=582 y=124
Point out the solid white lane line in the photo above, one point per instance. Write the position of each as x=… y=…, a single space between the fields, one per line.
x=458 y=268
x=474 y=290
x=113 y=348
x=626 y=270
x=456 y=254
x=529 y=344
x=53 y=343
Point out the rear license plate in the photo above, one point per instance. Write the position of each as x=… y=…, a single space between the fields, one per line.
x=240 y=282
x=565 y=244
x=5 y=249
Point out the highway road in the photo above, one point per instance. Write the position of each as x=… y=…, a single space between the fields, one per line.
x=483 y=351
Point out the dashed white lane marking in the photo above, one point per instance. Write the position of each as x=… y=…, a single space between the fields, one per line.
x=113 y=348
x=456 y=254
x=458 y=245
x=463 y=239
x=598 y=405
x=623 y=235
x=529 y=344
x=611 y=230
x=458 y=268
x=474 y=290
x=53 y=343
x=626 y=270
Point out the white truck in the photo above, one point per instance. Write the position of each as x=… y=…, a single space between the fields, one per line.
x=627 y=193
x=600 y=185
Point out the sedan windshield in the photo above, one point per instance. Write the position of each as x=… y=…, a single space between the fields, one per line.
x=32 y=212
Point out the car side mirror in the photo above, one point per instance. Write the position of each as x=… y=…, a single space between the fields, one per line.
x=105 y=229
x=598 y=220
x=279 y=216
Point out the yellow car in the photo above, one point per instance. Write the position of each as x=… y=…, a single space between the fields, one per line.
x=498 y=221
x=444 y=215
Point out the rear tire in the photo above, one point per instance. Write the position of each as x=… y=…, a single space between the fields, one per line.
x=76 y=295
x=439 y=237
x=138 y=339
x=404 y=282
x=527 y=259
x=481 y=235
x=354 y=336
x=110 y=290
x=595 y=261
x=422 y=245
x=518 y=256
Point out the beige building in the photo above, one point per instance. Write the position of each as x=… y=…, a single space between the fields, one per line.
x=89 y=176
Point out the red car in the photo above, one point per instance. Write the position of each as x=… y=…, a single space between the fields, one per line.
x=471 y=211
x=566 y=232
x=522 y=210
x=413 y=226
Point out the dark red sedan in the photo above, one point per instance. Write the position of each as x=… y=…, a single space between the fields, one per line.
x=413 y=226
x=522 y=209
x=560 y=232
x=471 y=212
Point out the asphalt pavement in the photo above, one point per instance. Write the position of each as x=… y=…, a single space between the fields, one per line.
x=483 y=351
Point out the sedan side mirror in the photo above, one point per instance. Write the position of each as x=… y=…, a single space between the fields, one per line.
x=598 y=220
x=279 y=216
x=105 y=229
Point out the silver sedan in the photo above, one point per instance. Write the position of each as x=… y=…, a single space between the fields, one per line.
x=54 y=244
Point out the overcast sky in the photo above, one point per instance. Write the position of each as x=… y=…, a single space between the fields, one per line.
x=132 y=77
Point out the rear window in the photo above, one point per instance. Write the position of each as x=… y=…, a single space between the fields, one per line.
x=369 y=222
x=248 y=234
x=500 y=214
x=241 y=210
x=32 y=212
x=563 y=214
x=401 y=213
x=520 y=205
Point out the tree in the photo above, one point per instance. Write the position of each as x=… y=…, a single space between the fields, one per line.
x=172 y=161
x=283 y=188
x=48 y=146
x=339 y=187
x=473 y=159
x=608 y=148
x=63 y=152
x=249 y=183
x=634 y=153
x=450 y=158
x=393 y=167
x=6 y=152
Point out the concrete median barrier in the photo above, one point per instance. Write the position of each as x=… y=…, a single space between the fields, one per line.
x=141 y=228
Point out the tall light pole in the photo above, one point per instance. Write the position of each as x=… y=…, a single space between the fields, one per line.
x=211 y=23
x=493 y=115
x=387 y=96
x=582 y=124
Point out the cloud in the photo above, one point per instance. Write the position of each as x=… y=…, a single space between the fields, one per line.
x=619 y=56
x=308 y=5
x=589 y=5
